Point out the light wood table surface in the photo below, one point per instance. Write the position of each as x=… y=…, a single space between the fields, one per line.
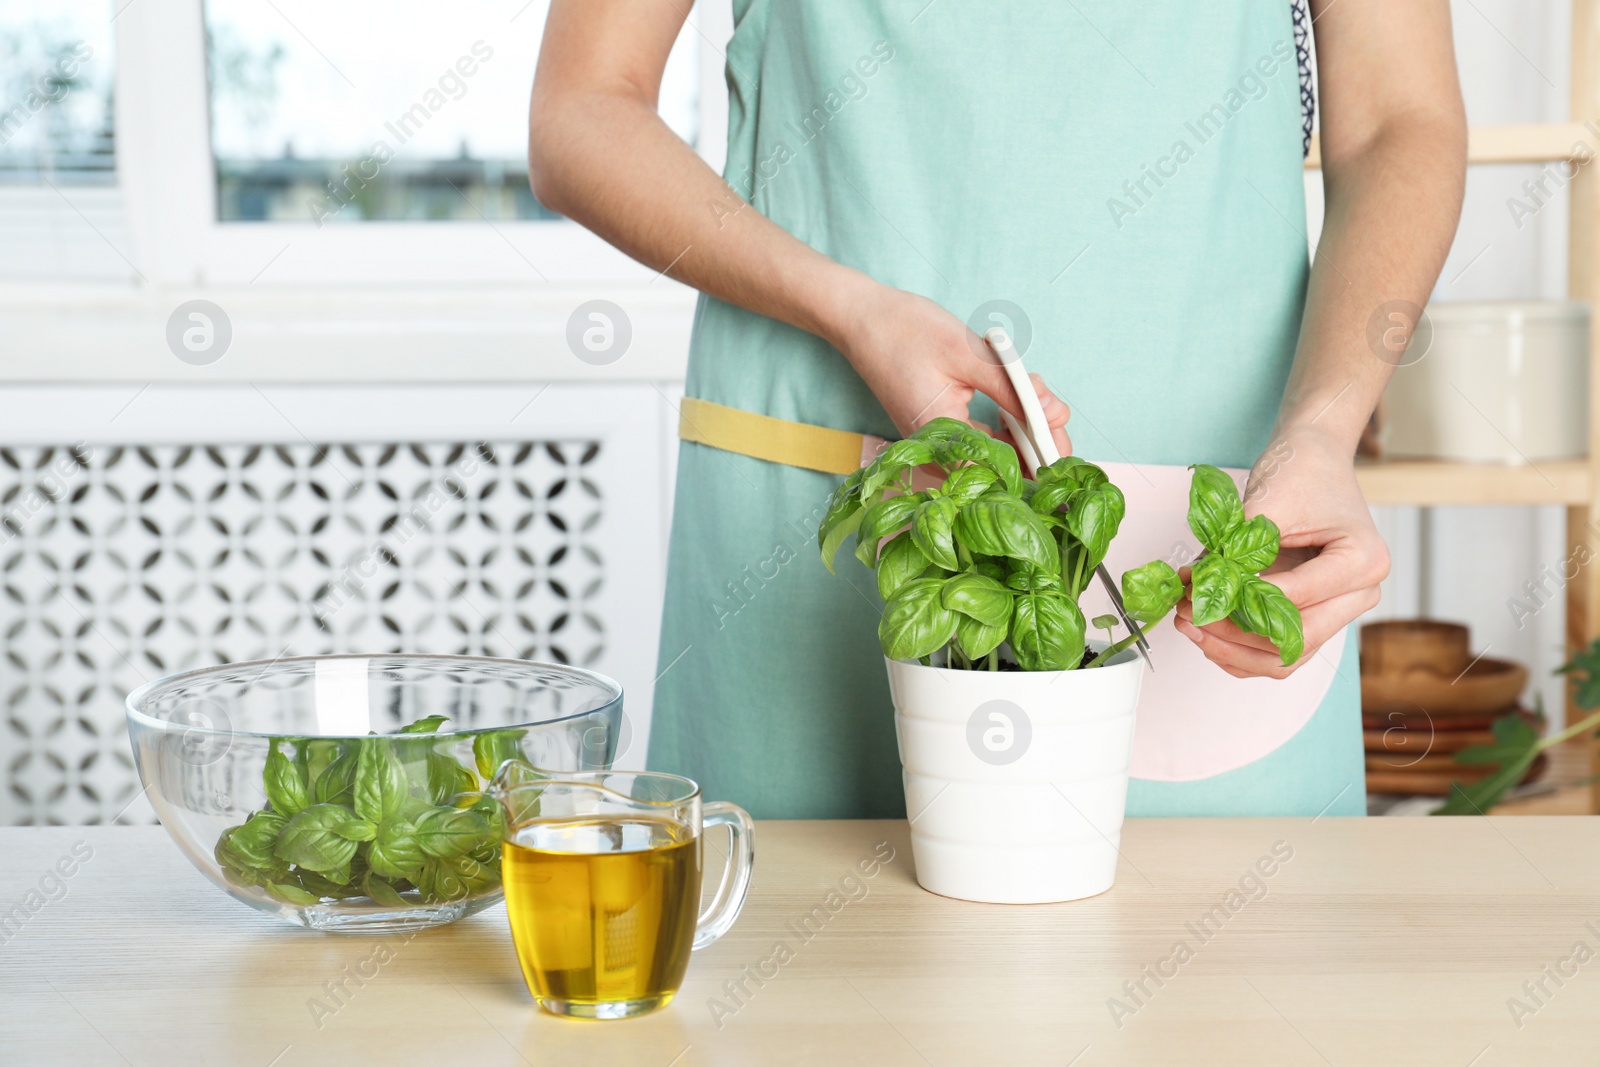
x=1379 y=941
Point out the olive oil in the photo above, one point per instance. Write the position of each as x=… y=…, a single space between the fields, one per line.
x=603 y=910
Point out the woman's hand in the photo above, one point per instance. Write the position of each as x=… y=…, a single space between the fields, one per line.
x=922 y=362
x=1331 y=559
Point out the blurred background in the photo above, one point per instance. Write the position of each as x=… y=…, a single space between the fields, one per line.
x=291 y=361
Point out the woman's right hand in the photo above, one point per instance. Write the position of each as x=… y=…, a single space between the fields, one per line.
x=922 y=362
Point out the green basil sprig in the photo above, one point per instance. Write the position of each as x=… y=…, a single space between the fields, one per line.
x=376 y=817
x=990 y=559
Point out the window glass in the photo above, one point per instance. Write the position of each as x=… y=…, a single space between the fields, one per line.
x=55 y=92
x=385 y=109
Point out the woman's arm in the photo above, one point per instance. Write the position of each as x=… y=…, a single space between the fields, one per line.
x=1393 y=137
x=599 y=154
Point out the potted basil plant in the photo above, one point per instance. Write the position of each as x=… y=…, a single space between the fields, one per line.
x=1015 y=726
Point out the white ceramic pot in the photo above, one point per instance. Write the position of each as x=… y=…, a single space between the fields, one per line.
x=1016 y=782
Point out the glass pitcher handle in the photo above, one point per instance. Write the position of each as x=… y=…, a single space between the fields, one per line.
x=735 y=883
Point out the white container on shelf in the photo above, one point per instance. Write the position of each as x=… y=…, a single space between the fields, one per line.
x=1501 y=382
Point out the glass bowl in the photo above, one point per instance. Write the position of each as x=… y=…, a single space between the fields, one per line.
x=295 y=786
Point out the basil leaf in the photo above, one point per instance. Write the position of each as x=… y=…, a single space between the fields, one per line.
x=395 y=852
x=253 y=841
x=1104 y=622
x=977 y=639
x=996 y=524
x=966 y=484
x=891 y=463
x=1072 y=471
x=313 y=838
x=984 y=599
x=1026 y=578
x=900 y=562
x=1214 y=506
x=883 y=519
x=320 y=752
x=832 y=534
x=335 y=884
x=381 y=891
x=1214 y=587
x=288 y=893
x=425 y=726
x=915 y=622
x=942 y=429
x=1093 y=517
x=1264 y=609
x=247 y=859
x=494 y=747
x=381 y=787
x=1047 y=633
x=458 y=878
x=1047 y=498
x=1150 y=591
x=447 y=778
x=336 y=784
x=1002 y=459
x=446 y=832
x=1516 y=745
x=1253 y=544
x=285 y=783
x=933 y=529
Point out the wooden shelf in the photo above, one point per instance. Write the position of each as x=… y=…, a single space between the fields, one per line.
x=1533 y=143
x=1564 y=481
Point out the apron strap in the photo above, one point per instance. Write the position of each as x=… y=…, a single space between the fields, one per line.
x=795 y=444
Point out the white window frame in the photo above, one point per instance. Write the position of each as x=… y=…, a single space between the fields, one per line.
x=167 y=176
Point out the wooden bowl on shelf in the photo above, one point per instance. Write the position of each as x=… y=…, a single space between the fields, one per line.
x=1417 y=781
x=1488 y=686
x=1402 y=738
x=1399 y=646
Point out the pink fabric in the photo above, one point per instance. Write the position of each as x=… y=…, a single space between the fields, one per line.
x=1195 y=720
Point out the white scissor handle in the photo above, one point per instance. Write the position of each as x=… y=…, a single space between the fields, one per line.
x=1035 y=443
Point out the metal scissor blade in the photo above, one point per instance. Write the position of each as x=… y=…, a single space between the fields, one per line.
x=1037 y=448
x=1122 y=612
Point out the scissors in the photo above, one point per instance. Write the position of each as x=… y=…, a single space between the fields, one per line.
x=1038 y=449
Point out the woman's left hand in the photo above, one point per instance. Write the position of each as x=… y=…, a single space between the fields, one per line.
x=1330 y=563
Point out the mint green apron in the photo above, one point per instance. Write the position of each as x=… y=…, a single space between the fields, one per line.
x=1129 y=177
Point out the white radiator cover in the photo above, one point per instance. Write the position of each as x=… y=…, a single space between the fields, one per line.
x=193 y=526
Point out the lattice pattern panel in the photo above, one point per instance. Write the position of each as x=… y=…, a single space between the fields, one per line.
x=122 y=564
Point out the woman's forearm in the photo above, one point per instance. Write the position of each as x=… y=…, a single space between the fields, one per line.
x=1391 y=212
x=605 y=159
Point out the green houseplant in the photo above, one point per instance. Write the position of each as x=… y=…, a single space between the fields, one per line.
x=1004 y=706
x=990 y=558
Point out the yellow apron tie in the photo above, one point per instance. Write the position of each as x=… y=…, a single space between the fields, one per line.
x=795 y=444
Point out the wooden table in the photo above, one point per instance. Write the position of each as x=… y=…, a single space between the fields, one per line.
x=1376 y=941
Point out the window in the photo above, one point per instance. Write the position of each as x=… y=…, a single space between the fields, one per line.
x=55 y=92
x=383 y=109
x=276 y=143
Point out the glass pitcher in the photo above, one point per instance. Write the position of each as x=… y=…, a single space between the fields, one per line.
x=602 y=874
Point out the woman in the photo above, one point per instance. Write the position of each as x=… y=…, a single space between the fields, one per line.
x=1120 y=181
